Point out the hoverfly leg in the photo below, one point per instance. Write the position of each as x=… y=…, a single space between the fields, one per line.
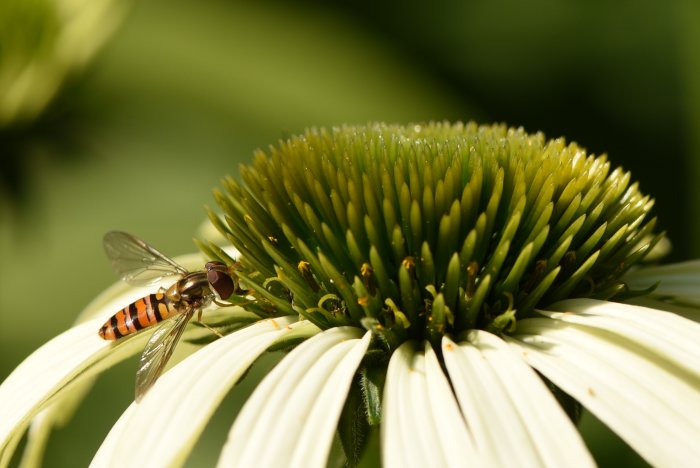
x=214 y=331
x=199 y=319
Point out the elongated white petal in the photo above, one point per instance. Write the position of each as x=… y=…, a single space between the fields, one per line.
x=163 y=427
x=291 y=416
x=686 y=311
x=476 y=403
x=663 y=334
x=422 y=425
x=677 y=280
x=423 y=439
x=315 y=439
x=8 y=449
x=395 y=452
x=401 y=445
x=68 y=358
x=557 y=441
x=680 y=268
x=455 y=438
x=514 y=417
x=649 y=401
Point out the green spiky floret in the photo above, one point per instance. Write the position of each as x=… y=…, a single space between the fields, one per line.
x=423 y=230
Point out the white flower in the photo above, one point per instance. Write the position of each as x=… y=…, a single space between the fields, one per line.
x=637 y=369
x=462 y=314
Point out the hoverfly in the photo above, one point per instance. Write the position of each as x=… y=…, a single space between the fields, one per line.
x=139 y=264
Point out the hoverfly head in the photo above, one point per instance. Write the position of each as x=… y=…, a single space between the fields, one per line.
x=220 y=279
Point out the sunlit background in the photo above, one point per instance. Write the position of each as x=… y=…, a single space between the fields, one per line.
x=126 y=115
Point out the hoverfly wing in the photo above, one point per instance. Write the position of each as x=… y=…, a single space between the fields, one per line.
x=136 y=262
x=158 y=351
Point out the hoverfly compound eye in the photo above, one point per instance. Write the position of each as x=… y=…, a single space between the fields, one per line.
x=219 y=279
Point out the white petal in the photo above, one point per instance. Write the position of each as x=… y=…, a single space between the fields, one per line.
x=37 y=438
x=163 y=427
x=315 y=439
x=663 y=334
x=422 y=425
x=291 y=417
x=10 y=444
x=450 y=428
x=476 y=404
x=677 y=280
x=512 y=414
x=685 y=311
x=680 y=268
x=411 y=446
x=68 y=358
x=647 y=401
x=395 y=451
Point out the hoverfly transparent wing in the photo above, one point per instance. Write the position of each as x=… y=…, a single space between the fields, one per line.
x=136 y=262
x=158 y=351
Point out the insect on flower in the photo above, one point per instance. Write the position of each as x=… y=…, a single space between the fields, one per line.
x=140 y=264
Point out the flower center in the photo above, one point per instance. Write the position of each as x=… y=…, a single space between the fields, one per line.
x=419 y=231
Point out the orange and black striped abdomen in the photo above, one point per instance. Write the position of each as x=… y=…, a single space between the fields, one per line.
x=145 y=312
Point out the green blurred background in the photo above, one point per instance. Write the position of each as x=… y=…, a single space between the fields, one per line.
x=184 y=91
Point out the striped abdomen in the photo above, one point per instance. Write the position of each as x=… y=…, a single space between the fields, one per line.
x=140 y=314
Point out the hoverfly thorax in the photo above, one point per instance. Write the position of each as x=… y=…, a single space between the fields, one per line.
x=220 y=280
x=193 y=288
